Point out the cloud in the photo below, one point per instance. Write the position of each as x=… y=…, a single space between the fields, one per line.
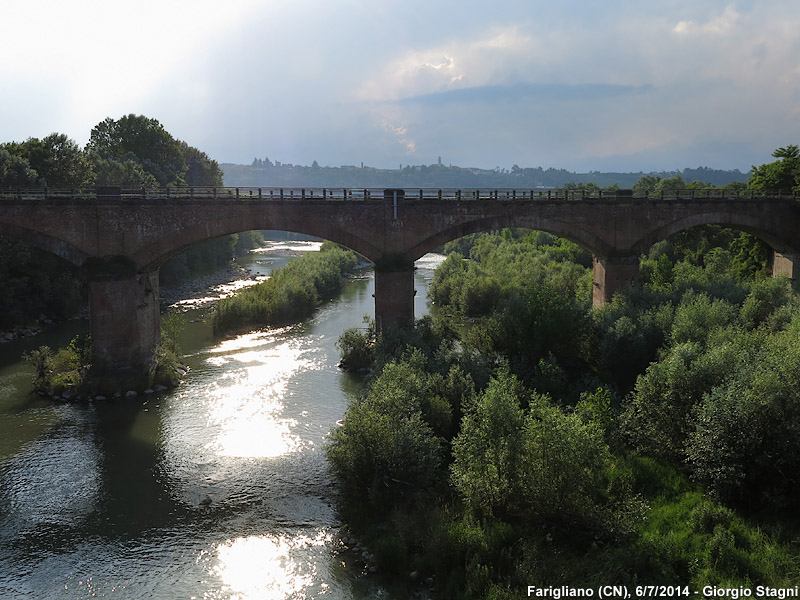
x=575 y=84
x=724 y=24
x=400 y=134
x=454 y=65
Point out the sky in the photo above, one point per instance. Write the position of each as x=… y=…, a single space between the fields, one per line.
x=612 y=85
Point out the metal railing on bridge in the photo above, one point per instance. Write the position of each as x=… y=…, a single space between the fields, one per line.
x=184 y=193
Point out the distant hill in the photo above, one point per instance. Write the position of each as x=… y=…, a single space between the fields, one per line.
x=265 y=173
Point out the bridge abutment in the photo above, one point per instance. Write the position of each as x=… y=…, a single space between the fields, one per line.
x=786 y=264
x=125 y=325
x=612 y=275
x=394 y=297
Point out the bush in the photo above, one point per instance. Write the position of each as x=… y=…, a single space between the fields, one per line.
x=41 y=359
x=356 y=348
x=766 y=296
x=542 y=466
x=744 y=442
x=698 y=315
x=385 y=450
x=488 y=452
x=657 y=417
x=65 y=369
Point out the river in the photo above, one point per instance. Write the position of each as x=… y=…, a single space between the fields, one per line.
x=215 y=490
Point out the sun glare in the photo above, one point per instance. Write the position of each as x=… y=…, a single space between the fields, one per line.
x=246 y=405
x=275 y=567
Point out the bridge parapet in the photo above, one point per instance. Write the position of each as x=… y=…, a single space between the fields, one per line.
x=132 y=195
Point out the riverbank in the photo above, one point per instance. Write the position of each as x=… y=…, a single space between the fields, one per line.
x=205 y=289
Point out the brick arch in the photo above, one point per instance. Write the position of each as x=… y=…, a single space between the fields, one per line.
x=168 y=246
x=580 y=236
x=742 y=222
x=46 y=242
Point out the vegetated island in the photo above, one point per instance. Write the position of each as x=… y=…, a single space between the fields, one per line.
x=291 y=294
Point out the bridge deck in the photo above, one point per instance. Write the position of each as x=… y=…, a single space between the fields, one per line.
x=367 y=194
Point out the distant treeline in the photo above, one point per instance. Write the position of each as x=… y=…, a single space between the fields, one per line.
x=264 y=172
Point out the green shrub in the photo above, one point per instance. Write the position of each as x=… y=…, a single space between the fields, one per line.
x=290 y=294
x=356 y=348
x=766 y=296
x=385 y=450
x=744 y=443
x=542 y=466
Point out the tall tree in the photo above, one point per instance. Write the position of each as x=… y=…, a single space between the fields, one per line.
x=782 y=174
x=201 y=170
x=144 y=140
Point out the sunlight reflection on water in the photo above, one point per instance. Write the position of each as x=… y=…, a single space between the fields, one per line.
x=270 y=566
x=293 y=246
x=245 y=406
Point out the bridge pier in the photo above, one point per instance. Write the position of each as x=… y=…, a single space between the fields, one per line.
x=394 y=297
x=125 y=325
x=786 y=264
x=612 y=275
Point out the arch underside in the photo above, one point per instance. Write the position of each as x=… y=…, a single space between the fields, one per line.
x=156 y=254
x=745 y=223
x=568 y=231
x=45 y=242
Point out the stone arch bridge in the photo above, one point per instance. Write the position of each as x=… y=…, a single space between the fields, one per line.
x=121 y=237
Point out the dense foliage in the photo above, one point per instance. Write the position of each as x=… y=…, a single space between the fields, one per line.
x=654 y=439
x=782 y=174
x=290 y=294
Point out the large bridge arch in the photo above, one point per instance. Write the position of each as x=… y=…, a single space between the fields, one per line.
x=764 y=230
x=43 y=241
x=579 y=235
x=157 y=253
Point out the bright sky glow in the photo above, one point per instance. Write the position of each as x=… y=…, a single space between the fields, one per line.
x=579 y=84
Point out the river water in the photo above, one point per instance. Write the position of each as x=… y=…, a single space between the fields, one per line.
x=111 y=499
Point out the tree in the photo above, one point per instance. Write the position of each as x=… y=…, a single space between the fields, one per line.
x=146 y=141
x=15 y=171
x=66 y=164
x=56 y=160
x=782 y=174
x=744 y=444
x=126 y=172
x=488 y=451
x=645 y=185
x=385 y=450
x=201 y=170
x=669 y=184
